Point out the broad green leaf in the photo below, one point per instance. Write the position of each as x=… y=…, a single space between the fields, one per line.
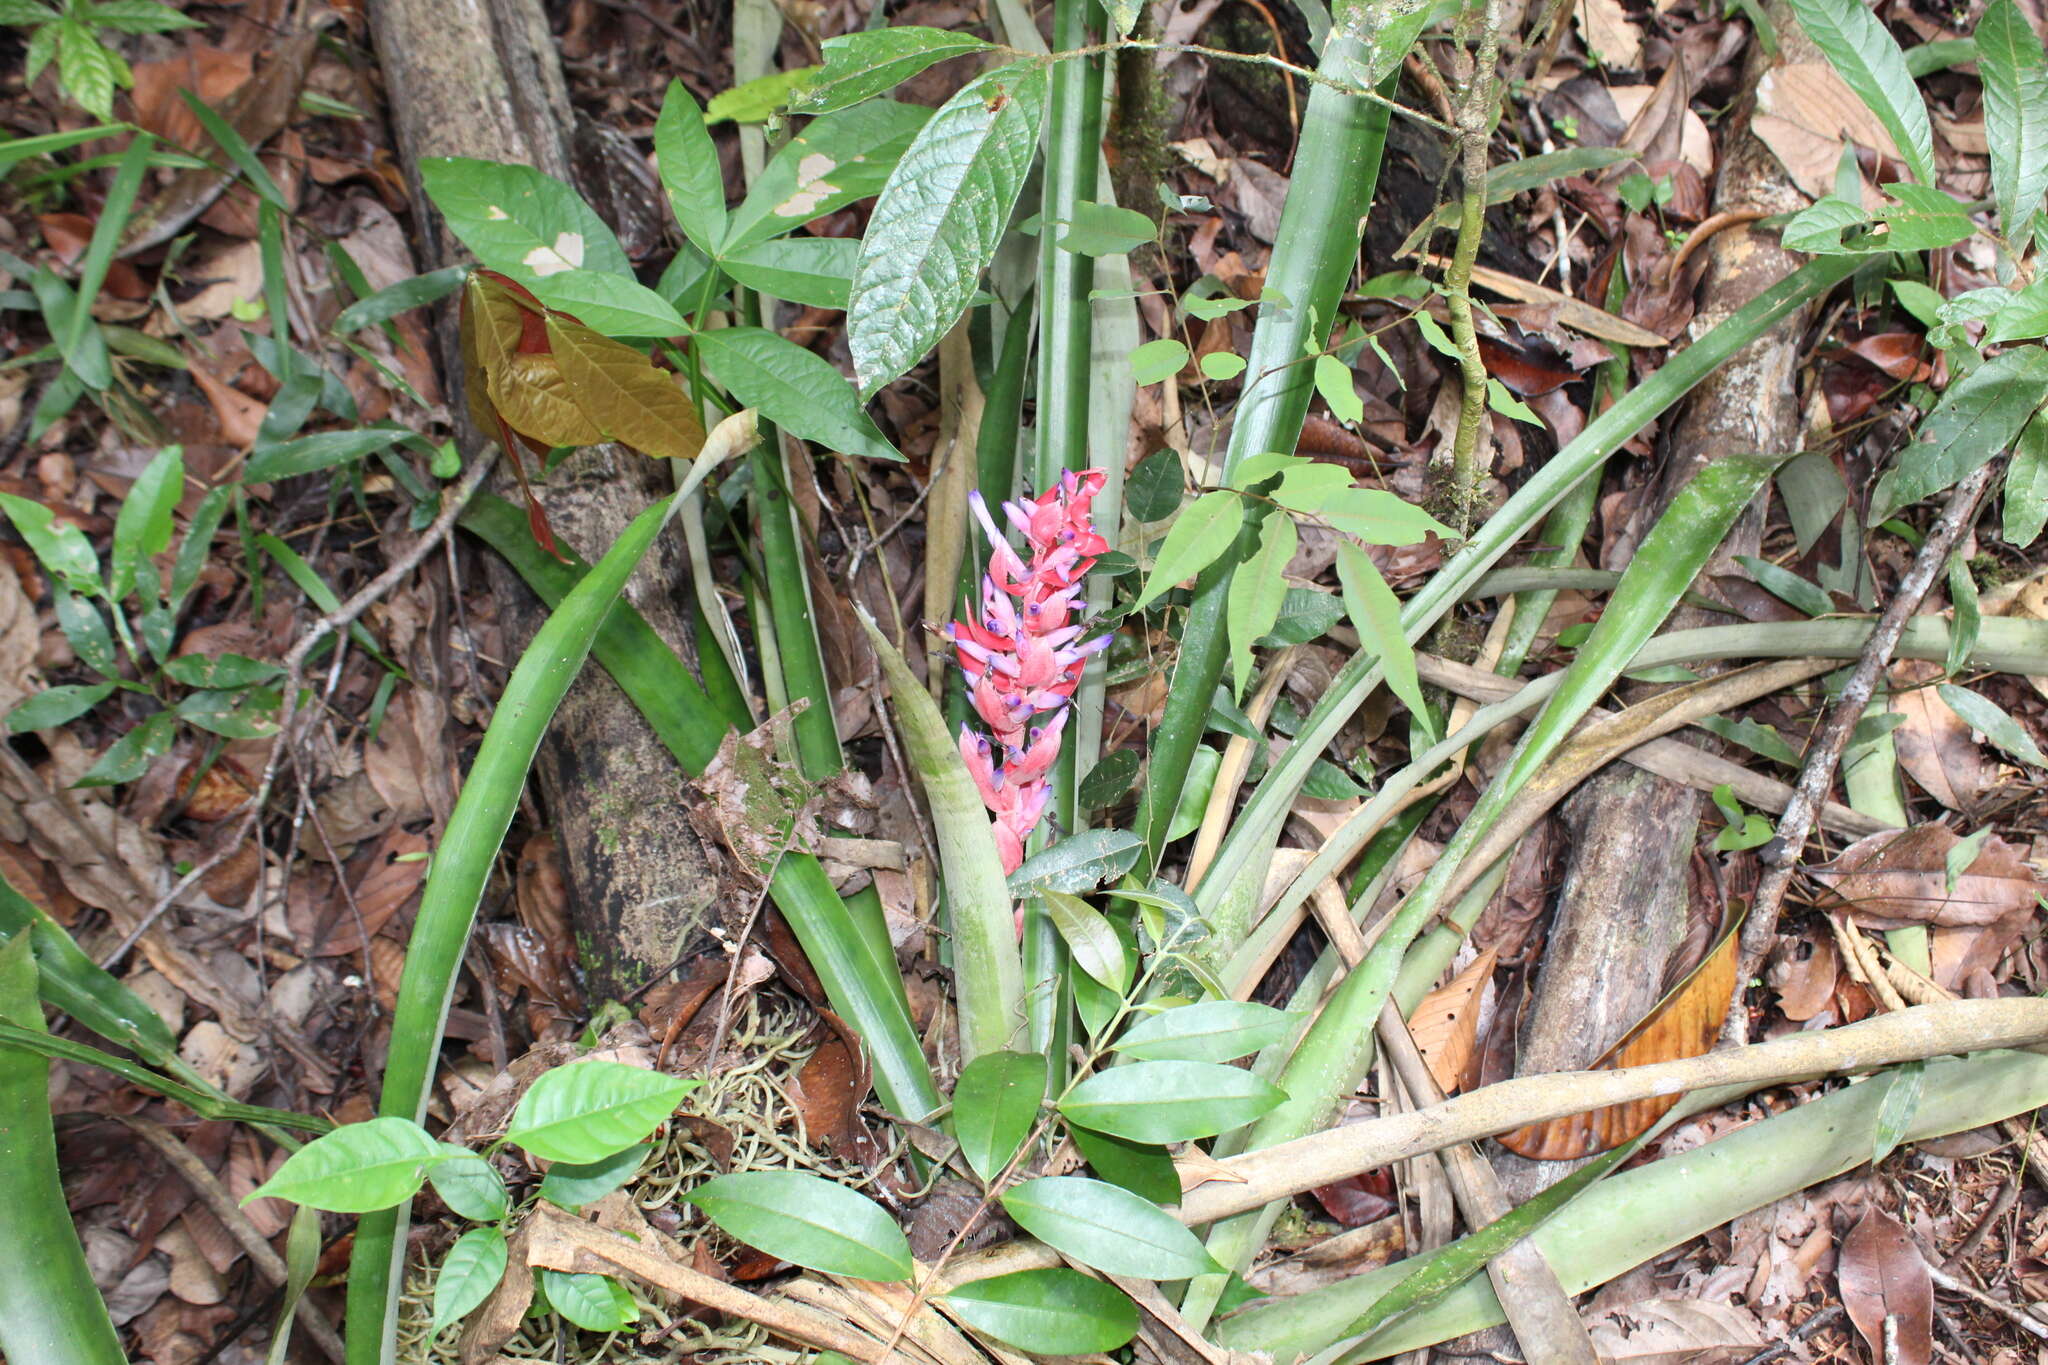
x=1922 y=303
x=470 y=1271
x=54 y=706
x=1108 y=781
x=407 y=294
x=1305 y=614
x=1090 y=938
x=1333 y=382
x=1380 y=518
x=613 y=304
x=1923 y=218
x=1376 y=615
x=690 y=170
x=1787 y=586
x=1222 y=365
x=1144 y=1168
x=1305 y=486
x=872 y=61
x=221 y=670
x=939 y=218
x=86 y=630
x=233 y=713
x=2023 y=316
x=814 y=271
x=88 y=72
x=1867 y=58
x=587 y=1110
x=519 y=222
x=1978 y=417
x=2026 y=484
x=1814 y=496
x=1053 y=1311
x=2015 y=71
x=1982 y=714
x=835 y=161
x=356 y=1168
x=144 y=524
x=1078 y=863
x=1106 y=1227
x=1154 y=489
x=758 y=99
x=469 y=1185
x=627 y=397
x=59 y=546
x=128 y=757
x=140 y=16
x=1257 y=590
x=1209 y=1031
x=321 y=450
x=1157 y=360
x=596 y=1303
x=807 y=1221
x=1105 y=230
x=1169 y=1101
x=1755 y=737
x=995 y=1102
x=573 y=1185
x=796 y=389
x=1202 y=533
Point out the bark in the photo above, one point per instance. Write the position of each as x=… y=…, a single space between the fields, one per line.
x=1623 y=909
x=480 y=78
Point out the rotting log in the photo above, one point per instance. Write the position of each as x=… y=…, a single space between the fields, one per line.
x=1622 y=912
x=480 y=78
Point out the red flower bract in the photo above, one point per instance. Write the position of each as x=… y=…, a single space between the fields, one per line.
x=1023 y=656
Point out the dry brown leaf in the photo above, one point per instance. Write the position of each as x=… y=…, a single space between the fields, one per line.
x=1806 y=985
x=1654 y=1331
x=1684 y=1023
x=409 y=763
x=1887 y=1291
x=1934 y=744
x=20 y=636
x=1900 y=877
x=1805 y=112
x=1609 y=35
x=1445 y=1024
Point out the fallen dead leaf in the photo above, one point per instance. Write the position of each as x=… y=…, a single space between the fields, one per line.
x=1658 y=1330
x=1899 y=877
x=1805 y=112
x=1446 y=1024
x=1934 y=744
x=1887 y=1291
x=1609 y=35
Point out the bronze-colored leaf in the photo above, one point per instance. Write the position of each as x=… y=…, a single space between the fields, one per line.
x=627 y=397
x=1683 y=1024
x=535 y=400
x=1446 y=1024
x=1896 y=878
x=1884 y=1283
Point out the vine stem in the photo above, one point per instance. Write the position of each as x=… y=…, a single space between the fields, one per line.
x=1474 y=131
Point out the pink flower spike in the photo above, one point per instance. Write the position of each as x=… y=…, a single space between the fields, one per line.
x=980 y=760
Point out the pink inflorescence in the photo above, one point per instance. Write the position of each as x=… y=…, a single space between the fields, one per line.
x=1024 y=656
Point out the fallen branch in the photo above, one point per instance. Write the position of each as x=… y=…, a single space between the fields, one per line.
x=1257 y=1178
x=1781 y=856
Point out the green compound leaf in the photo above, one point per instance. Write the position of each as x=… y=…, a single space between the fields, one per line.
x=796 y=389
x=1200 y=535
x=938 y=220
x=807 y=1221
x=587 y=1110
x=1978 y=417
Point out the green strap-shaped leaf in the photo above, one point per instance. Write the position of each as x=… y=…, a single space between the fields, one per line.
x=1869 y=61
x=2015 y=72
x=939 y=219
